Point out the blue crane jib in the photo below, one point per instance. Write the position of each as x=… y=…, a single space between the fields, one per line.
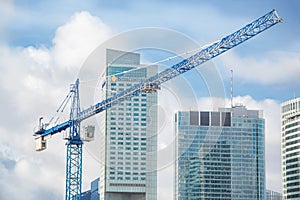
x=185 y=65
x=74 y=144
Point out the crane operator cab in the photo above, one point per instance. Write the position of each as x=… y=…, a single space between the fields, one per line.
x=40 y=141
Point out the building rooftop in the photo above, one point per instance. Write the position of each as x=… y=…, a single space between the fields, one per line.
x=241 y=111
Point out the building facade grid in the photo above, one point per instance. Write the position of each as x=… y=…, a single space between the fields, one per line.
x=219 y=155
x=130 y=136
x=290 y=135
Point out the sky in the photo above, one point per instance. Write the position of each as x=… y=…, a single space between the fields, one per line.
x=46 y=45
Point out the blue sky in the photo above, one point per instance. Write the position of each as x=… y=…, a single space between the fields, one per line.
x=37 y=21
x=44 y=43
x=34 y=24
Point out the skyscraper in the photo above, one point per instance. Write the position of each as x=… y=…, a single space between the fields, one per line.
x=129 y=132
x=290 y=132
x=220 y=155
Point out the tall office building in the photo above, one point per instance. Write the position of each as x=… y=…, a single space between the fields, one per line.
x=220 y=155
x=130 y=138
x=290 y=133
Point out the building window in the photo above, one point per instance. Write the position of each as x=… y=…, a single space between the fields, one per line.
x=204 y=118
x=194 y=118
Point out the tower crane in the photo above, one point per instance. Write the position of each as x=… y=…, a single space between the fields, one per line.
x=77 y=115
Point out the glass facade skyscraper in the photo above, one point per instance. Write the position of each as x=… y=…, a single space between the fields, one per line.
x=220 y=155
x=290 y=138
x=130 y=138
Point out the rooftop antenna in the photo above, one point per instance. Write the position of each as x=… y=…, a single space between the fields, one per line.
x=231 y=88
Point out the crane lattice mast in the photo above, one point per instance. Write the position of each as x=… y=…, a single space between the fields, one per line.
x=74 y=143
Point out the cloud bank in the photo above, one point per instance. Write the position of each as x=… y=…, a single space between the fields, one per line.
x=275 y=67
x=35 y=80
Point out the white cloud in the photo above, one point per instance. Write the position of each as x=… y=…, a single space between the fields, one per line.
x=75 y=40
x=33 y=81
x=40 y=56
x=274 y=67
